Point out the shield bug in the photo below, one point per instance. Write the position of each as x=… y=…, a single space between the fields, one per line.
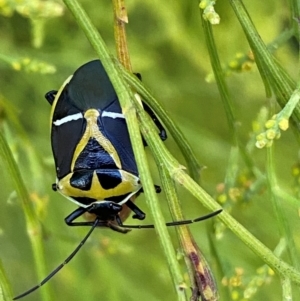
x=94 y=160
x=93 y=156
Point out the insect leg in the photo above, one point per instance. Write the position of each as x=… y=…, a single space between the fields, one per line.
x=77 y=213
x=50 y=96
x=170 y=224
x=156 y=187
x=198 y=219
x=139 y=214
x=162 y=132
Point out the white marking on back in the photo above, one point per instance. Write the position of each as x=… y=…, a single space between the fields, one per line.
x=66 y=119
x=112 y=115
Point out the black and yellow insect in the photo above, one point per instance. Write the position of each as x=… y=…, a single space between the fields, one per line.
x=94 y=160
x=93 y=156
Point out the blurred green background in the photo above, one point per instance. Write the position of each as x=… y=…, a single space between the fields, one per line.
x=167 y=47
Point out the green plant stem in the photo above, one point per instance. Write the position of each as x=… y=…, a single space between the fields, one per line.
x=199 y=271
x=238 y=147
x=120 y=19
x=253 y=243
x=282 y=220
x=286 y=289
x=5 y=289
x=220 y=79
x=176 y=133
x=290 y=106
x=281 y=40
x=271 y=72
x=294 y=18
x=124 y=95
x=279 y=192
x=32 y=224
x=179 y=175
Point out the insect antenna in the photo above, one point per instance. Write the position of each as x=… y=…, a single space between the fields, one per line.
x=175 y=223
x=96 y=222
x=68 y=259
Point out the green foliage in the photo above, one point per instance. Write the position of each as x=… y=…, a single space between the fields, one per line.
x=41 y=44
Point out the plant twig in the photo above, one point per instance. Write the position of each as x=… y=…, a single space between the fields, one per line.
x=120 y=20
x=125 y=94
x=32 y=224
x=179 y=175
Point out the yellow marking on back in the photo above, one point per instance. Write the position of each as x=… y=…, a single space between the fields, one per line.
x=92 y=131
x=129 y=184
